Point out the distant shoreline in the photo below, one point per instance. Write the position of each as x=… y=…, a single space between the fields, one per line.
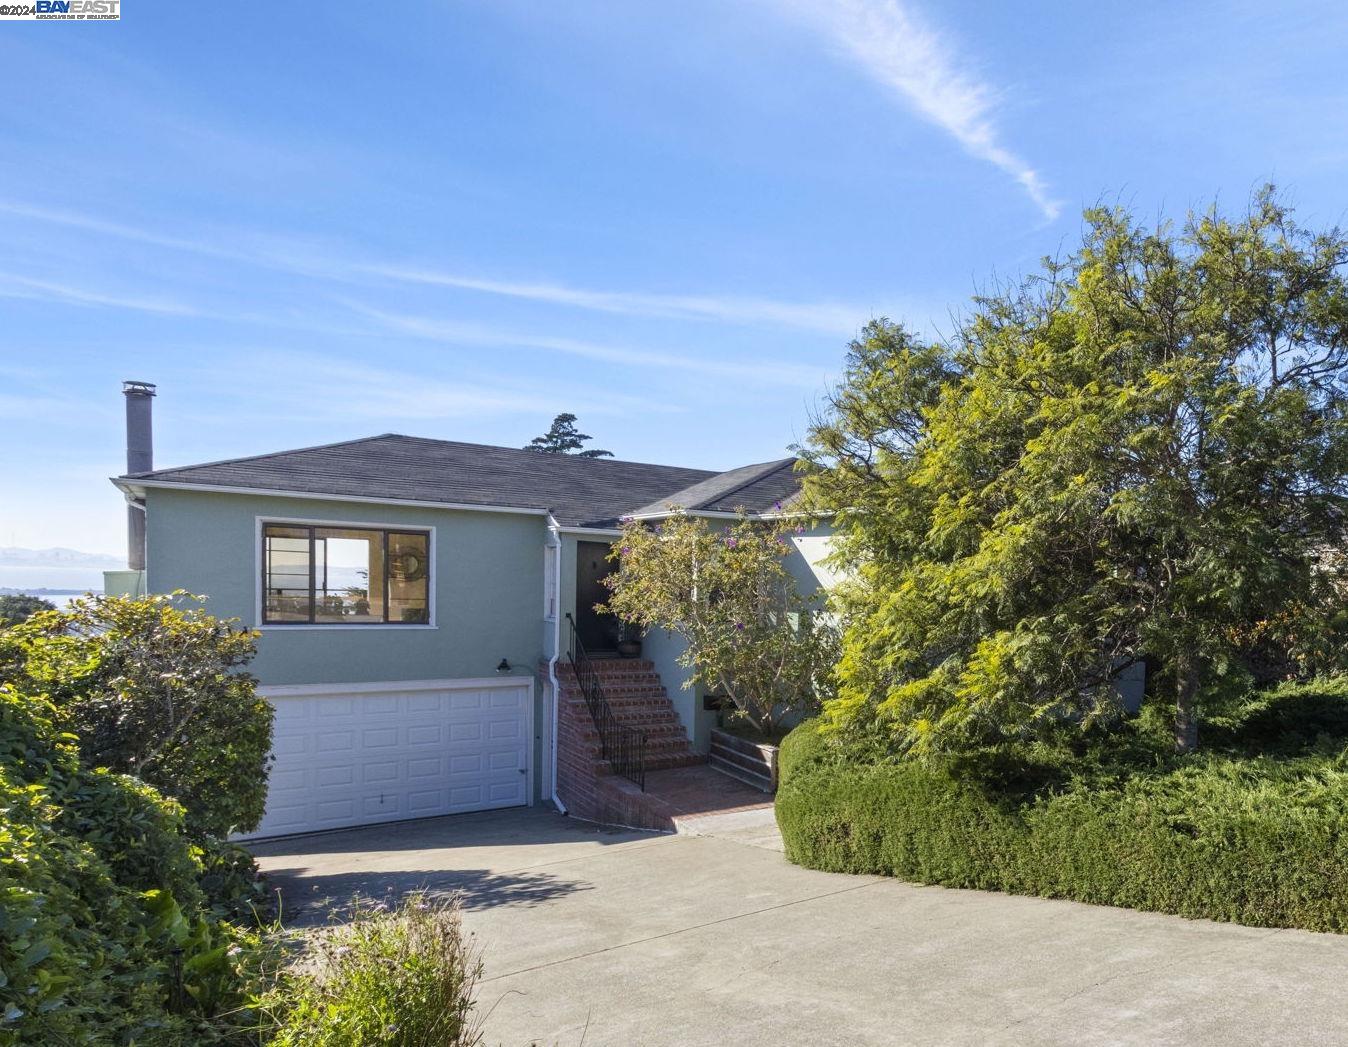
x=10 y=591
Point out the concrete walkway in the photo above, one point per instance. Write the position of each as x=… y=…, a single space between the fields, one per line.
x=710 y=937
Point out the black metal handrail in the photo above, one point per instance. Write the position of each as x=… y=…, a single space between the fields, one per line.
x=622 y=746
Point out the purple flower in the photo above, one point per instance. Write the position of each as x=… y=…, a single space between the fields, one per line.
x=732 y=542
x=777 y=505
x=625 y=550
x=739 y=627
x=800 y=529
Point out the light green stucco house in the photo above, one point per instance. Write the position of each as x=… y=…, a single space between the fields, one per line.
x=413 y=596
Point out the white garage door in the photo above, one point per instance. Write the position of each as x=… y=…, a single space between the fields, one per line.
x=364 y=753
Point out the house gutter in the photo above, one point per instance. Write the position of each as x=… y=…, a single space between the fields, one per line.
x=136 y=488
x=721 y=514
x=555 y=542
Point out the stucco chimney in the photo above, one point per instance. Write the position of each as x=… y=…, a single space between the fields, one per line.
x=139 y=459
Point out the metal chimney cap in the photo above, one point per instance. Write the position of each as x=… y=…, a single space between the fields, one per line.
x=138 y=388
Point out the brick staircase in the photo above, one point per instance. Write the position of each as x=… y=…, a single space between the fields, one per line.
x=639 y=700
x=586 y=783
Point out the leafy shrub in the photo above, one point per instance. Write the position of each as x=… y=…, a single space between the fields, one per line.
x=1254 y=831
x=400 y=979
x=234 y=887
x=749 y=633
x=154 y=688
x=19 y=607
x=103 y=937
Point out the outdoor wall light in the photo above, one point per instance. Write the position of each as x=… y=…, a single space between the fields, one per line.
x=504 y=667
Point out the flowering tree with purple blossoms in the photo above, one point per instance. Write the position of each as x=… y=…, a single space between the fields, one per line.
x=750 y=634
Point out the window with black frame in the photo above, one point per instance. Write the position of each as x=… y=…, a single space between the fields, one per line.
x=316 y=575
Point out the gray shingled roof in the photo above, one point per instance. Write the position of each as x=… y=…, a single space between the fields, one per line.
x=757 y=488
x=580 y=492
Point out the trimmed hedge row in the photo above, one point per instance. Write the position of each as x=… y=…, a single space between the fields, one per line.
x=1248 y=839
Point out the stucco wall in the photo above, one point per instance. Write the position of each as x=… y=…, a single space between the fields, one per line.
x=488 y=579
x=487 y=576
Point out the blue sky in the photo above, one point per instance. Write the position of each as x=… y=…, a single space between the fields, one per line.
x=455 y=219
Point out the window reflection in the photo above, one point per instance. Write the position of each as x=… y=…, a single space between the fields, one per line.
x=345 y=576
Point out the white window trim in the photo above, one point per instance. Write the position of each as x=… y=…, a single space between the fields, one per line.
x=431 y=581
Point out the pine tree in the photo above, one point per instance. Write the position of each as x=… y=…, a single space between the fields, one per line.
x=564 y=438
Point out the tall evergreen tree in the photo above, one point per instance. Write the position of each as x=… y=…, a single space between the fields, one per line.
x=564 y=438
x=1140 y=453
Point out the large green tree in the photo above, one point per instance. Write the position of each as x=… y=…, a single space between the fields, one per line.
x=1138 y=453
x=563 y=437
x=750 y=634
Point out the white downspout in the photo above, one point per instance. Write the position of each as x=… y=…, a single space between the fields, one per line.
x=555 y=533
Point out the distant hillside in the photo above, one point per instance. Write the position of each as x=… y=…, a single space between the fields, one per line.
x=13 y=556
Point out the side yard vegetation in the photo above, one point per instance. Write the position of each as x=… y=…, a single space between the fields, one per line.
x=1254 y=830
x=1138 y=455
x=750 y=635
x=131 y=745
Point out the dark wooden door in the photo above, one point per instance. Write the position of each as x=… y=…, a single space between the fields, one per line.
x=598 y=632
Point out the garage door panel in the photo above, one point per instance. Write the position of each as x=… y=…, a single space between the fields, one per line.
x=381 y=773
x=333 y=774
x=464 y=703
x=379 y=738
x=422 y=767
x=350 y=759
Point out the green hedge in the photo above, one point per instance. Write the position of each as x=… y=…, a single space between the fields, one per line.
x=1226 y=835
x=104 y=933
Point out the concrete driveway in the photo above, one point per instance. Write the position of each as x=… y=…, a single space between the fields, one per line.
x=602 y=937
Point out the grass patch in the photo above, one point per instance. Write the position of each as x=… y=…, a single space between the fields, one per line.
x=400 y=978
x=1252 y=830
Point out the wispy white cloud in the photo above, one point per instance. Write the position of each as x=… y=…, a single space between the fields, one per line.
x=830 y=317
x=768 y=372
x=325 y=263
x=13 y=285
x=895 y=47
x=313 y=388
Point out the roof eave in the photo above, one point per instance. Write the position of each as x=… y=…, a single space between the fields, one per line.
x=724 y=514
x=136 y=487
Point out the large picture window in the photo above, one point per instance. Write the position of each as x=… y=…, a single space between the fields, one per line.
x=314 y=575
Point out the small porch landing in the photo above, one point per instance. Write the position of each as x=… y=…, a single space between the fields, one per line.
x=676 y=799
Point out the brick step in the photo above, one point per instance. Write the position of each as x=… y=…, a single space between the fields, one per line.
x=654 y=746
x=604 y=667
x=652 y=729
x=664 y=737
x=667 y=763
x=653 y=763
x=616 y=698
x=639 y=700
x=656 y=735
x=626 y=701
x=663 y=762
x=622 y=705
x=611 y=689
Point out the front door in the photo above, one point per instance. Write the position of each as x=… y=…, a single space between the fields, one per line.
x=598 y=632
